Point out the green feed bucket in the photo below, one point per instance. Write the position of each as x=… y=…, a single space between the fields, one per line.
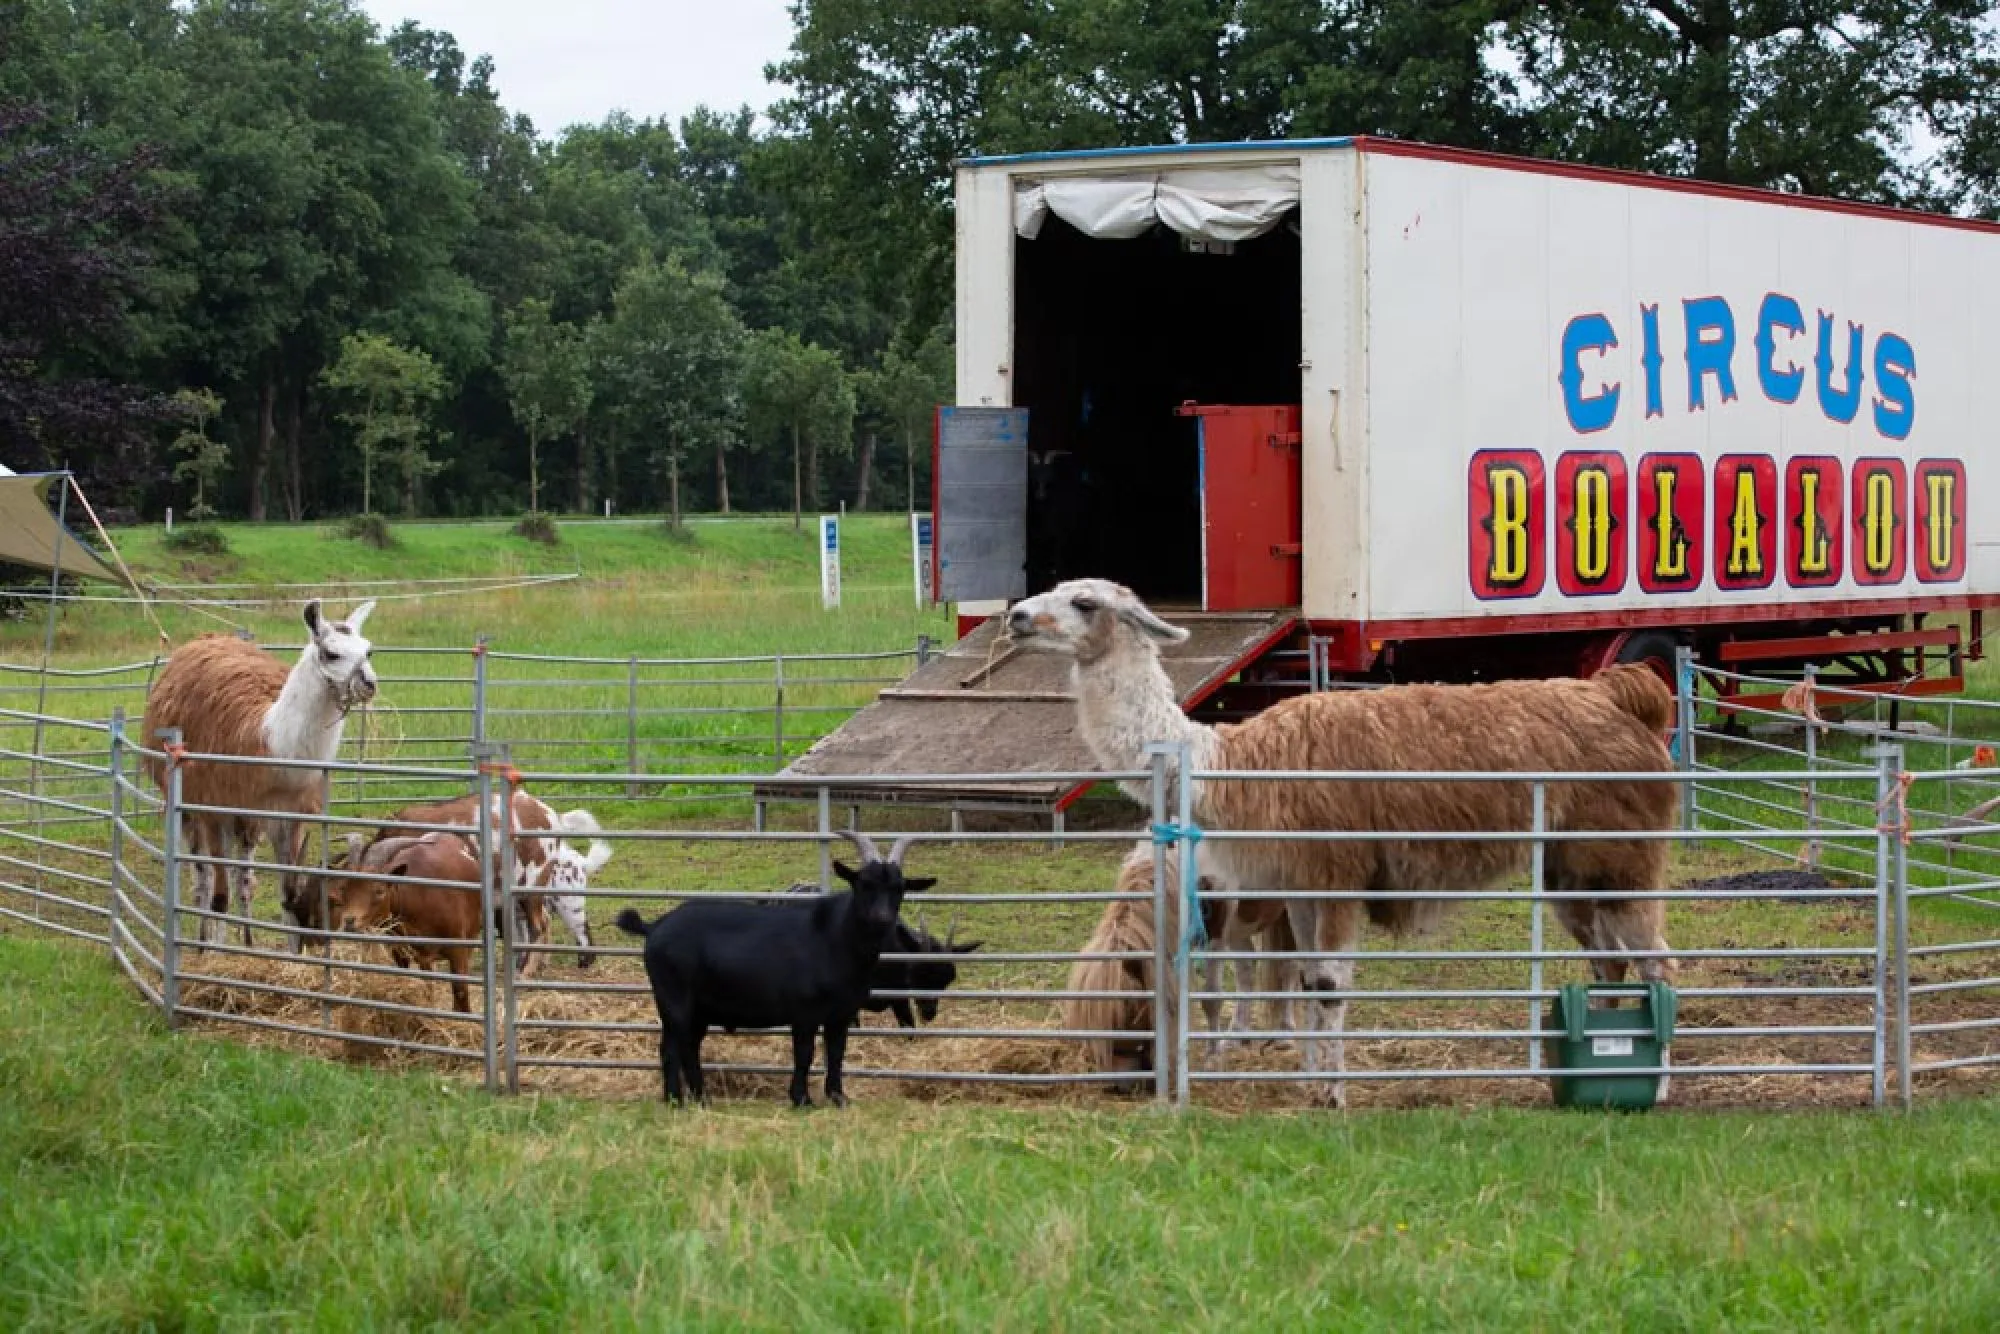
x=1602 y=1042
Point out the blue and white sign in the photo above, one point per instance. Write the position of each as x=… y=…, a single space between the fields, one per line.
x=829 y=561
x=920 y=558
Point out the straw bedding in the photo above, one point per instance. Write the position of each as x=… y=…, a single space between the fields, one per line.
x=871 y=1048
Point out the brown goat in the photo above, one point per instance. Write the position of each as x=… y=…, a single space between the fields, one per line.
x=228 y=697
x=363 y=902
x=1610 y=724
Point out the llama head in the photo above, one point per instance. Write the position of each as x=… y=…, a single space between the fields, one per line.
x=1086 y=619
x=340 y=655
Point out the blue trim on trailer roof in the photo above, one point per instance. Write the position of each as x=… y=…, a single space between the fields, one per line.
x=1153 y=150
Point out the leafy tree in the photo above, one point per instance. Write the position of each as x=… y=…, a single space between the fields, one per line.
x=1890 y=100
x=800 y=391
x=671 y=349
x=388 y=389
x=906 y=392
x=203 y=459
x=74 y=262
x=547 y=372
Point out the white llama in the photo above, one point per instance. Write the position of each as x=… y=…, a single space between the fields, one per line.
x=1612 y=723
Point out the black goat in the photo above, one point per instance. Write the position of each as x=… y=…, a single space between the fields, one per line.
x=897 y=975
x=805 y=966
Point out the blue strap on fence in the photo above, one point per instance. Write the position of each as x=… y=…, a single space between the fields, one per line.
x=1194 y=932
x=1683 y=690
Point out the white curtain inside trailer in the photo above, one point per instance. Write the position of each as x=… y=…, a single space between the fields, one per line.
x=1211 y=203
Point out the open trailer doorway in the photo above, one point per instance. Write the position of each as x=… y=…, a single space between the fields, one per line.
x=1113 y=336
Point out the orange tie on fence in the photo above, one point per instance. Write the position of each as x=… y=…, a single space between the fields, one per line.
x=1898 y=799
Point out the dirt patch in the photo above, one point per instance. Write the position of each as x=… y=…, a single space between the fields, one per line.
x=1776 y=882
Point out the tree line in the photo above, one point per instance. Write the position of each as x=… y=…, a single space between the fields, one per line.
x=260 y=258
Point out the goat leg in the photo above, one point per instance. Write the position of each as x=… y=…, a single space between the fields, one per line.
x=670 y=1065
x=836 y=1053
x=802 y=1059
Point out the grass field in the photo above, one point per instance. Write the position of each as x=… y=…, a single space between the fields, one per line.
x=149 y=1181
x=207 y=1180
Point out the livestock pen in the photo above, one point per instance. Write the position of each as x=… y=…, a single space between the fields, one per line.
x=1833 y=916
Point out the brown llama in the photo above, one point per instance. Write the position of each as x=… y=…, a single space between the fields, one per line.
x=1612 y=723
x=1127 y=928
x=229 y=697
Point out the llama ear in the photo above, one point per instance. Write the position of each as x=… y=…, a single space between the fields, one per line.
x=1140 y=618
x=313 y=620
x=360 y=614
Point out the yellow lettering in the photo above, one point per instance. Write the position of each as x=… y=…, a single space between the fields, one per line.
x=1746 y=559
x=1878 y=523
x=1943 y=489
x=1510 y=526
x=1812 y=534
x=1670 y=560
x=1593 y=524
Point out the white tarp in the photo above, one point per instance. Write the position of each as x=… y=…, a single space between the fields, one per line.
x=1214 y=203
x=30 y=535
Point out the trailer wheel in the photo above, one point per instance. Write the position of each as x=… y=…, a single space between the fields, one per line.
x=1657 y=649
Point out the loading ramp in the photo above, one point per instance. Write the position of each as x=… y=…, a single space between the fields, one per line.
x=983 y=708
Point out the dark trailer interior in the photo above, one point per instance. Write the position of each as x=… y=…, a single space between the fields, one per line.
x=1111 y=338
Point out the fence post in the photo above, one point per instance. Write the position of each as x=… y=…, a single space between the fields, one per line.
x=510 y=873
x=1163 y=948
x=825 y=840
x=482 y=756
x=170 y=891
x=1900 y=887
x=923 y=650
x=1190 y=916
x=1684 y=689
x=1537 y=886
x=1812 y=764
x=632 y=722
x=115 y=764
x=1888 y=764
x=778 y=713
x=479 y=691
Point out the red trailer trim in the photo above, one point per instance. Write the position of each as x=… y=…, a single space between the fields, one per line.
x=1662 y=619
x=1679 y=185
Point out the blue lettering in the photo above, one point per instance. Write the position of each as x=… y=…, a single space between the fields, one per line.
x=1778 y=312
x=1840 y=406
x=1896 y=404
x=1593 y=412
x=1706 y=355
x=1650 y=359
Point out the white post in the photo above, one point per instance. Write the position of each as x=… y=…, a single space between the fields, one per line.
x=170 y=518
x=829 y=561
x=920 y=558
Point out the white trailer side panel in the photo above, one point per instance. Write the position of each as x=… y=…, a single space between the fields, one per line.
x=1332 y=413
x=1474 y=275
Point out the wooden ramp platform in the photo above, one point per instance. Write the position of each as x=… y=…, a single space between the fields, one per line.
x=982 y=708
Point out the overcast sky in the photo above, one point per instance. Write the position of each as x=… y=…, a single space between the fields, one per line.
x=570 y=61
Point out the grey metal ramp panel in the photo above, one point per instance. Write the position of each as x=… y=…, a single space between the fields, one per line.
x=978 y=709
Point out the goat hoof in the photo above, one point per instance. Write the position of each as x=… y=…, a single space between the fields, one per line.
x=1332 y=1099
x=836 y=1099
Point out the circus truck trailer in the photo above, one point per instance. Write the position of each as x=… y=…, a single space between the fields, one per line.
x=1432 y=414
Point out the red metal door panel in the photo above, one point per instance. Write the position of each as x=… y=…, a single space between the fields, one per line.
x=1249 y=506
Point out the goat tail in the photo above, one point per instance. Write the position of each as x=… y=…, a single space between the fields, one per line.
x=600 y=853
x=632 y=924
x=1637 y=689
x=578 y=821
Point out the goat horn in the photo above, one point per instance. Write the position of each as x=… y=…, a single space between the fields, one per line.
x=951 y=932
x=861 y=841
x=901 y=846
